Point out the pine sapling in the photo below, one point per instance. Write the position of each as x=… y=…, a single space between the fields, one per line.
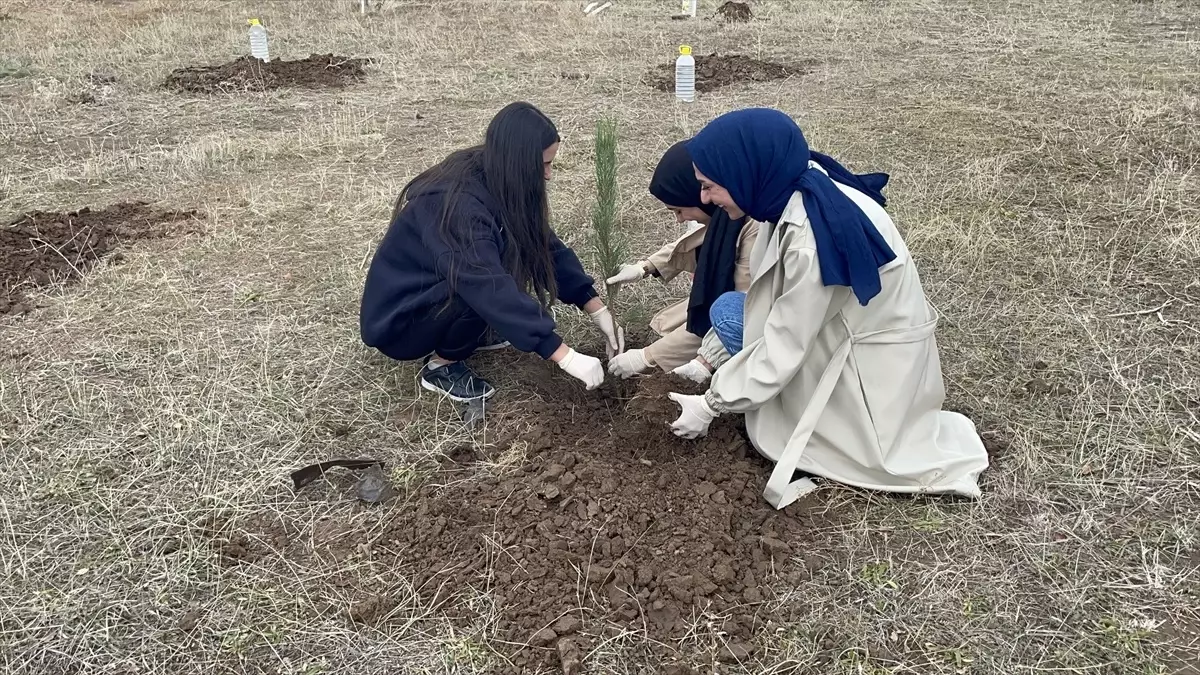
x=607 y=237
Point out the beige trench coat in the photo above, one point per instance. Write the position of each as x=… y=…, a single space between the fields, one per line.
x=836 y=389
x=677 y=346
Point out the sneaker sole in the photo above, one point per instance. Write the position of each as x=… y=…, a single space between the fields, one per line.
x=457 y=399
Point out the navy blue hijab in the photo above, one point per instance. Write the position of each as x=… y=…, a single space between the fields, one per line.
x=674 y=184
x=760 y=156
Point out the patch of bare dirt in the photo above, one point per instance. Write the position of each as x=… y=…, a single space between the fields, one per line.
x=318 y=71
x=715 y=71
x=735 y=12
x=612 y=523
x=43 y=247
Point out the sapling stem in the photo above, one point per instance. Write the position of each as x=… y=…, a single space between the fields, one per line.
x=607 y=237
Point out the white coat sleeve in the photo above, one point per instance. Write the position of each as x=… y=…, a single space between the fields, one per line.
x=763 y=368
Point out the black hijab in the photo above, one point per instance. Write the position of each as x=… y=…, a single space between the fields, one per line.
x=674 y=184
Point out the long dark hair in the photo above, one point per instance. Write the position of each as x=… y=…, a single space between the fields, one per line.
x=510 y=161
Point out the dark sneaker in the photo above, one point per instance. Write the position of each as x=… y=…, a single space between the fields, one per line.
x=456 y=381
x=491 y=342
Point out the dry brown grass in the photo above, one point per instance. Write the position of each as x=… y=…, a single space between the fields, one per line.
x=1044 y=158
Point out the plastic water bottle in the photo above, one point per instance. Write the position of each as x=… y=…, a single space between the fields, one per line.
x=688 y=7
x=258 y=41
x=685 y=75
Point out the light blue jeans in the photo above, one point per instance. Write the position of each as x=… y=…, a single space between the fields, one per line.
x=727 y=315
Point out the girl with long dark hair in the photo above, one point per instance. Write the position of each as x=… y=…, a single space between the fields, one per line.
x=470 y=262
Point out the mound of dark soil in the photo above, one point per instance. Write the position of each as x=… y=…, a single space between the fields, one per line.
x=610 y=523
x=715 y=71
x=735 y=12
x=42 y=247
x=319 y=71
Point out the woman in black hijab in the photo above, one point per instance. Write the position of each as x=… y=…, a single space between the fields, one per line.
x=716 y=249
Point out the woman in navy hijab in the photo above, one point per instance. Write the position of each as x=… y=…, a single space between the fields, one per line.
x=833 y=361
x=715 y=249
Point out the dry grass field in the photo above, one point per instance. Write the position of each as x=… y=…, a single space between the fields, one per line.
x=1045 y=162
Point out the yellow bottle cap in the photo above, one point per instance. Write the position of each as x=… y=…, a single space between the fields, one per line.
x=253 y=22
x=685 y=50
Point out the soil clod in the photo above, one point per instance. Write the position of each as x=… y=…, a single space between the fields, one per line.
x=190 y=619
x=371 y=609
x=735 y=652
x=543 y=637
x=570 y=656
x=735 y=12
x=715 y=71
x=43 y=247
x=568 y=624
x=462 y=455
x=319 y=71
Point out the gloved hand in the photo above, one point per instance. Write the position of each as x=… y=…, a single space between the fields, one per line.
x=627 y=274
x=614 y=339
x=696 y=416
x=690 y=227
x=692 y=370
x=586 y=369
x=628 y=364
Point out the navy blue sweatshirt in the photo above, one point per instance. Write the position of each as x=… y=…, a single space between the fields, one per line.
x=415 y=271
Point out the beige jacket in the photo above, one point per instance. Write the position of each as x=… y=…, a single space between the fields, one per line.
x=677 y=346
x=836 y=389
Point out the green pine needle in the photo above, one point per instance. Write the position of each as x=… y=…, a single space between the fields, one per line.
x=607 y=237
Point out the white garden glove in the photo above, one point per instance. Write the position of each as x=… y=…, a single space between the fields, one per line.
x=690 y=227
x=627 y=274
x=696 y=416
x=692 y=370
x=628 y=364
x=586 y=369
x=614 y=340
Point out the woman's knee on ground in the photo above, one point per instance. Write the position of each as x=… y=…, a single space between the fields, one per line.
x=726 y=316
x=727 y=306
